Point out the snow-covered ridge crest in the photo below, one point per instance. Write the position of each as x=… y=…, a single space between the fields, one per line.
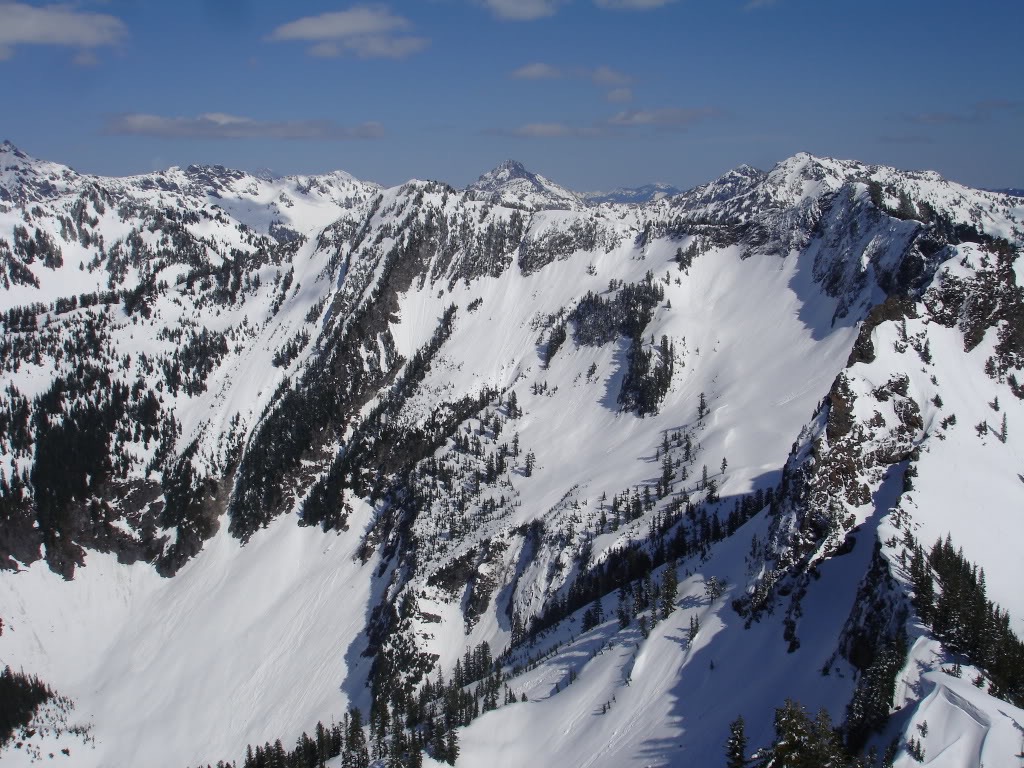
x=803 y=179
x=299 y=203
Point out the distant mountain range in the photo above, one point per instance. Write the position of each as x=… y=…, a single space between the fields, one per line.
x=634 y=195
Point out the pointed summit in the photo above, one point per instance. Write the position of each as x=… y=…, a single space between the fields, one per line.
x=514 y=168
x=8 y=147
x=504 y=172
x=511 y=184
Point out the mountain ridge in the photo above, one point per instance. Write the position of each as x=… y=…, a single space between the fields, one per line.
x=509 y=421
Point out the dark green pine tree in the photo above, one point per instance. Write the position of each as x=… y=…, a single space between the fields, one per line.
x=452 y=747
x=736 y=744
x=357 y=754
x=801 y=742
x=669 y=588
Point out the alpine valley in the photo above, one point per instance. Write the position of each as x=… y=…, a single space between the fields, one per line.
x=304 y=471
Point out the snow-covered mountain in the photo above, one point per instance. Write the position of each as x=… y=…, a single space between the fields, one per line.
x=509 y=475
x=636 y=195
x=510 y=184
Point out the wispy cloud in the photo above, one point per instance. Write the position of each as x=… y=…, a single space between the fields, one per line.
x=531 y=10
x=61 y=25
x=624 y=123
x=978 y=112
x=544 y=130
x=603 y=75
x=368 y=31
x=671 y=117
x=609 y=77
x=522 y=10
x=538 y=71
x=217 y=125
x=550 y=131
x=632 y=5
x=614 y=82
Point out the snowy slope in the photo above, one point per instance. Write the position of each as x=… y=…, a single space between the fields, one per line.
x=448 y=384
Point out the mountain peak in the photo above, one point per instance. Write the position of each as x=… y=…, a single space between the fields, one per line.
x=505 y=171
x=513 y=167
x=7 y=146
x=510 y=183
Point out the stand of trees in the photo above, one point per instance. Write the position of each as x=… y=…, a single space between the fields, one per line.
x=801 y=741
x=20 y=696
x=962 y=616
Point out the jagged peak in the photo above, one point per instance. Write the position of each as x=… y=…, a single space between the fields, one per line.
x=507 y=170
x=743 y=170
x=267 y=174
x=514 y=167
x=213 y=172
x=511 y=183
x=8 y=147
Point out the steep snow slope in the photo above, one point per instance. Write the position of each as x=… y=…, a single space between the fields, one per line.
x=245 y=644
x=485 y=397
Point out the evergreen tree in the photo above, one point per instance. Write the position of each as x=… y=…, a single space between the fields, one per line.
x=669 y=587
x=736 y=745
x=357 y=754
x=451 y=747
x=801 y=742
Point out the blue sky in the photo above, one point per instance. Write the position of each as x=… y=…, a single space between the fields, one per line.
x=592 y=93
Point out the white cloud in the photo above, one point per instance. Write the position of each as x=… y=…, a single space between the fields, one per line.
x=544 y=130
x=523 y=10
x=550 y=131
x=603 y=77
x=538 y=71
x=368 y=31
x=625 y=123
x=218 y=125
x=609 y=77
x=339 y=25
x=671 y=117
x=22 y=24
x=632 y=5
